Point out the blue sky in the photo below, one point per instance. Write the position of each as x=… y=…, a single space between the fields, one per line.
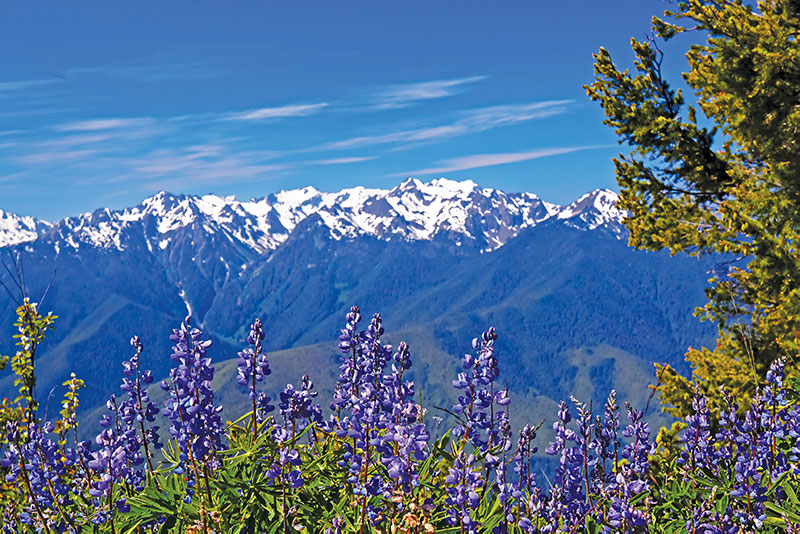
x=105 y=103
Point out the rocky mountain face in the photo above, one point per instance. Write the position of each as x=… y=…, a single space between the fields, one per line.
x=441 y=261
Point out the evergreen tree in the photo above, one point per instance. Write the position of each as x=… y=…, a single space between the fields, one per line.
x=719 y=176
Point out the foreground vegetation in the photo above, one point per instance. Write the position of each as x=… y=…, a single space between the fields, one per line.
x=371 y=466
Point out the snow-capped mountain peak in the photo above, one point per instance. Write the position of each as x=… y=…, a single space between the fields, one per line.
x=595 y=209
x=15 y=229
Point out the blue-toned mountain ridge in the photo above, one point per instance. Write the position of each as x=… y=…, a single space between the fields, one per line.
x=578 y=312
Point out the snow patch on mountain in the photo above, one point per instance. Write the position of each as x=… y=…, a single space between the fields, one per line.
x=15 y=229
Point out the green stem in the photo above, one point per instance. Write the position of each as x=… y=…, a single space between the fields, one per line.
x=33 y=497
x=141 y=423
x=111 y=504
x=283 y=490
x=255 y=424
x=61 y=512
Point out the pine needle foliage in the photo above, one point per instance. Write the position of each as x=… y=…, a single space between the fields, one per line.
x=719 y=175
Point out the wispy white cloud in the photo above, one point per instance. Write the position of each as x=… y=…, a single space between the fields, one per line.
x=152 y=73
x=181 y=168
x=200 y=164
x=22 y=85
x=146 y=150
x=15 y=180
x=104 y=124
x=226 y=171
x=35 y=111
x=292 y=110
x=476 y=161
x=494 y=116
x=57 y=156
x=74 y=140
x=472 y=121
x=402 y=95
x=145 y=72
x=341 y=161
x=137 y=150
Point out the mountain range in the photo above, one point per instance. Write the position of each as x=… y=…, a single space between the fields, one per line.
x=578 y=312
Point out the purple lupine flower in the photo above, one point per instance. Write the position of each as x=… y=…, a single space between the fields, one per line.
x=350 y=345
x=706 y=520
x=376 y=416
x=567 y=499
x=13 y=520
x=758 y=461
x=748 y=447
x=252 y=367
x=111 y=464
x=263 y=407
x=506 y=490
x=607 y=444
x=44 y=466
x=464 y=483
x=523 y=459
x=791 y=527
x=120 y=458
x=253 y=362
x=285 y=471
x=477 y=403
x=349 y=337
x=533 y=507
x=570 y=499
x=195 y=420
x=585 y=438
x=337 y=526
x=297 y=407
x=133 y=414
x=360 y=394
x=398 y=393
x=774 y=419
x=638 y=451
x=631 y=477
x=411 y=441
x=698 y=452
x=405 y=443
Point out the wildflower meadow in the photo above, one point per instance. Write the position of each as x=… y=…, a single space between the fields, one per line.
x=367 y=462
